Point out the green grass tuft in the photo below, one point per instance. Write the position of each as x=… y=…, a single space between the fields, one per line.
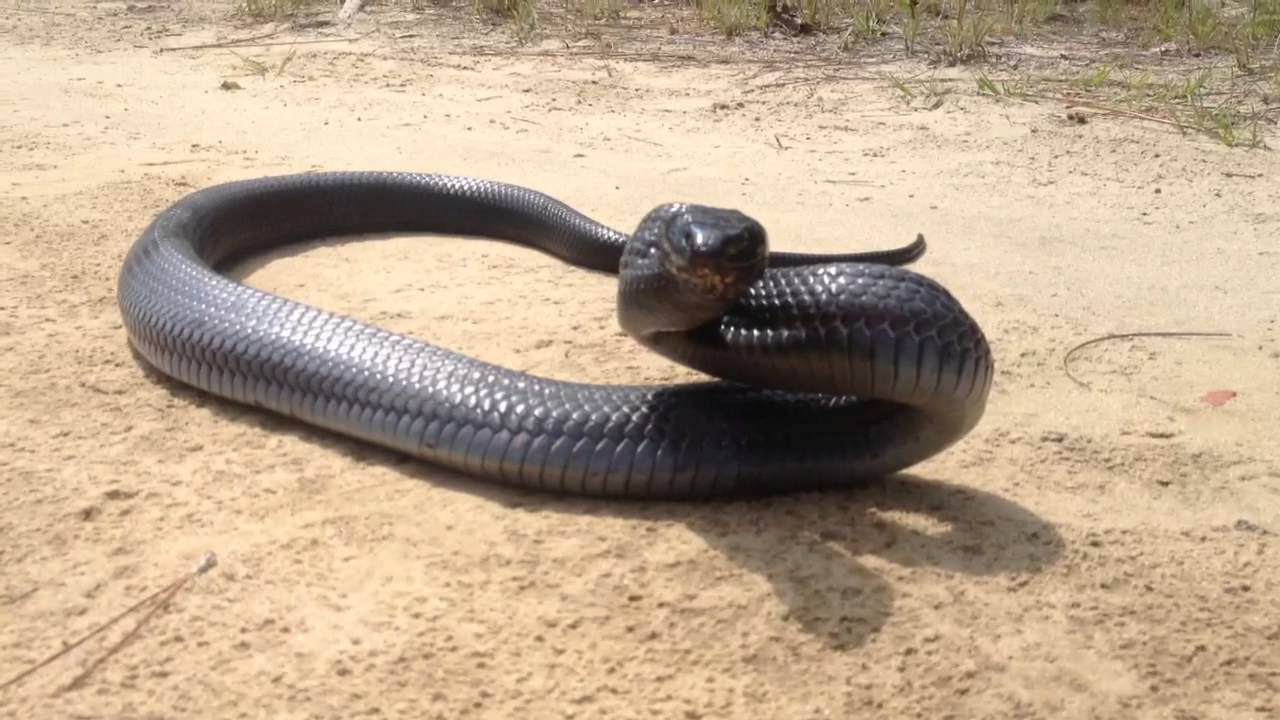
x=276 y=9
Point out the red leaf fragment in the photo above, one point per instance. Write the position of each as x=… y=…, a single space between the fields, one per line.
x=1218 y=398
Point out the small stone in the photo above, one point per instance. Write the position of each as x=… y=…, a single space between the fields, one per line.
x=1245 y=526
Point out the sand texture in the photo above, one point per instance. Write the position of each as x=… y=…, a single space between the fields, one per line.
x=1107 y=551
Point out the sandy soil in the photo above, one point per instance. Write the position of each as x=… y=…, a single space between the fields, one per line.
x=1104 y=551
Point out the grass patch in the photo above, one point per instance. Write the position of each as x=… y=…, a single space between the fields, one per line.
x=1017 y=88
x=950 y=31
x=1223 y=106
x=262 y=69
x=734 y=17
x=277 y=9
x=596 y=9
x=966 y=38
x=522 y=14
x=958 y=31
x=1215 y=102
x=1242 y=37
x=928 y=93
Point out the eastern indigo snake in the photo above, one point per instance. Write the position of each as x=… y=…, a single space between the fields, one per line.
x=826 y=370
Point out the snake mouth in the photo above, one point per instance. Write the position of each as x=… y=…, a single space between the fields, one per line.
x=716 y=280
x=714 y=251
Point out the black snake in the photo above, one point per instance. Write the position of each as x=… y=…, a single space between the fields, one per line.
x=826 y=370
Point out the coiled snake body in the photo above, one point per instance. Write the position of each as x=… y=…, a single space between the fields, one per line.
x=828 y=370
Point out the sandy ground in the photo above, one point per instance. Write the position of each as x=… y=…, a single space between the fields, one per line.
x=1105 y=552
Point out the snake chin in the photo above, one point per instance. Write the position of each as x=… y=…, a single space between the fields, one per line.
x=716 y=282
x=714 y=252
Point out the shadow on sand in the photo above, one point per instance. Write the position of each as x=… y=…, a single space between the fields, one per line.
x=807 y=545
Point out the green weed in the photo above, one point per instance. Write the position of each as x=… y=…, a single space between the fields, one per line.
x=523 y=14
x=275 y=9
x=1096 y=79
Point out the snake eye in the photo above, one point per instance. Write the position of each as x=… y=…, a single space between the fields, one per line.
x=742 y=249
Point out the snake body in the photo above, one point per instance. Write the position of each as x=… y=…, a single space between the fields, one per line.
x=827 y=370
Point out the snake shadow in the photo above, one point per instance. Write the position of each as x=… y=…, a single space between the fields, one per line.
x=809 y=547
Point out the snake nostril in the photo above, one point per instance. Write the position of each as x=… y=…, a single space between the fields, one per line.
x=690 y=239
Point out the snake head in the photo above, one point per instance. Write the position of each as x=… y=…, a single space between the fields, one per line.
x=714 y=252
x=686 y=266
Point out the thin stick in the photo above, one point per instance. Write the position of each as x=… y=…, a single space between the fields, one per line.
x=224 y=43
x=38 y=11
x=163 y=603
x=15 y=599
x=1066 y=359
x=1072 y=102
x=206 y=564
x=110 y=653
x=231 y=44
x=1128 y=113
x=98 y=631
x=642 y=140
x=162 y=163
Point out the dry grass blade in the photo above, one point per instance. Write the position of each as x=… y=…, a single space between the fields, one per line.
x=1066 y=359
x=233 y=44
x=17 y=598
x=164 y=594
x=40 y=11
x=642 y=140
x=1112 y=110
x=223 y=43
x=85 y=638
